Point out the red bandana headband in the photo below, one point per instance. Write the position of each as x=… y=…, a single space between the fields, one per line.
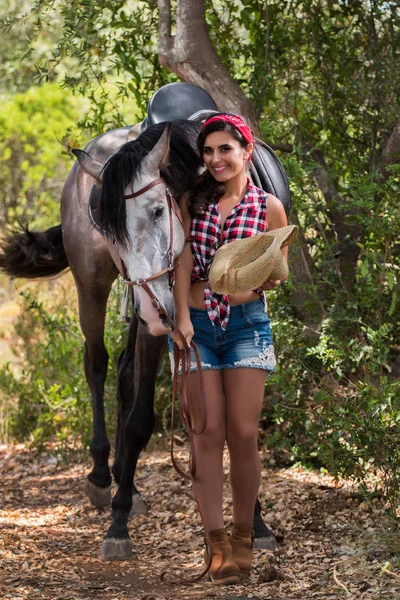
x=236 y=122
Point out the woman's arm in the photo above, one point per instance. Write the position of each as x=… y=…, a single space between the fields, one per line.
x=183 y=275
x=276 y=218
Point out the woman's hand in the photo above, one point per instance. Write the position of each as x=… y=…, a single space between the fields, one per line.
x=184 y=324
x=270 y=284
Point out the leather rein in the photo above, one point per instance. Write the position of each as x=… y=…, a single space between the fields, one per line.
x=182 y=358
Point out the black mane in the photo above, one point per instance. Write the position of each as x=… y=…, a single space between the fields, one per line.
x=181 y=172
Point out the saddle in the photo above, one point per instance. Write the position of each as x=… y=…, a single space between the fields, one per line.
x=188 y=101
x=176 y=101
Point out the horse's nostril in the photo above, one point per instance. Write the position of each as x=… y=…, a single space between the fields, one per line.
x=166 y=323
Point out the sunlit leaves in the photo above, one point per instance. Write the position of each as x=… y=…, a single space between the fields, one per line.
x=37 y=128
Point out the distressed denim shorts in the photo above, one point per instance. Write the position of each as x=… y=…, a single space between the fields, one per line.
x=246 y=342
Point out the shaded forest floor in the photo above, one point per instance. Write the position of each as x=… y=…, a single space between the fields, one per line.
x=51 y=537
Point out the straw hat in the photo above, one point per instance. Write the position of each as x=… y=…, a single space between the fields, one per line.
x=245 y=264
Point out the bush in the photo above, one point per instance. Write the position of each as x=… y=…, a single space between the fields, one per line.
x=49 y=398
x=37 y=130
x=335 y=398
x=49 y=395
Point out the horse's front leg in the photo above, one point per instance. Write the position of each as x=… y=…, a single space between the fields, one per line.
x=138 y=430
x=125 y=395
x=130 y=374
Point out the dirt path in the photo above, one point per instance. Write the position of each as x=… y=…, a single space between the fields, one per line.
x=51 y=537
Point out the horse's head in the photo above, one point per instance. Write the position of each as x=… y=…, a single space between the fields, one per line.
x=155 y=237
x=140 y=224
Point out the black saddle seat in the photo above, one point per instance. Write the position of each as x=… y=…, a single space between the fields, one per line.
x=176 y=101
x=267 y=173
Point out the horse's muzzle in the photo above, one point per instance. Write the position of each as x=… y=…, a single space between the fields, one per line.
x=157 y=323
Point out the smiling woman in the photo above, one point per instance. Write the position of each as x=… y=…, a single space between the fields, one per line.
x=233 y=336
x=222 y=156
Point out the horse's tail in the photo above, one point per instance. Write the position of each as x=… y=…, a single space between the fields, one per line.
x=33 y=254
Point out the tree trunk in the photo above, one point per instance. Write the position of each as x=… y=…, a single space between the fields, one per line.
x=304 y=295
x=191 y=55
x=391 y=151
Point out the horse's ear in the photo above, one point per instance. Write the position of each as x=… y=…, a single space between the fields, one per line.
x=133 y=133
x=158 y=157
x=88 y=164
x=165 y=158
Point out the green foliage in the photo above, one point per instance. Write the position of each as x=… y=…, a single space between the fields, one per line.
x=49 y=395
x=111 y=51
x=48 y=398
x=351 y=425
x=23 y=43
x=335 y=401
x=330 y=77
x=37 y=127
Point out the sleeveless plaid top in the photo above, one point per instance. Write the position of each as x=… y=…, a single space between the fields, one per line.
x=247 y=218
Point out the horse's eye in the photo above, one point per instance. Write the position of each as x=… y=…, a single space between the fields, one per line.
x=158 y=212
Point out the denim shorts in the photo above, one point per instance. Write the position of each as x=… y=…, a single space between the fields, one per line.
x=246 y=342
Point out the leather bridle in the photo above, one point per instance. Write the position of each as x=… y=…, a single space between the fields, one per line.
x=171 y=211
x=143 y=282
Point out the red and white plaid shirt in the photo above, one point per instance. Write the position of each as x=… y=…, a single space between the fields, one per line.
x=247 y=218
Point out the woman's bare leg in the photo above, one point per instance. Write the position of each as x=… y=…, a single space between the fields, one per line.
x=244 y=394
x=209 y=446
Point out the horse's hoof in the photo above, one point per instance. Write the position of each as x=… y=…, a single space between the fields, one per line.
x=138 y=506
x=116 y=549
x=266 y=543
x=98 y=496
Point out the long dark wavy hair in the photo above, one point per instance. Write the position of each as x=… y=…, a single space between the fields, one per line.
x=207 y=190
x=181 y=172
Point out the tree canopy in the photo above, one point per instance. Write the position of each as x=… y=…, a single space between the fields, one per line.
x=37 y=128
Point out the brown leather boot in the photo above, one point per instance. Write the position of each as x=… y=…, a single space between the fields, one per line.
x=242 y=537
x=223 y=568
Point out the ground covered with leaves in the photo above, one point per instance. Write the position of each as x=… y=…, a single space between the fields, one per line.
x=333 y=544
